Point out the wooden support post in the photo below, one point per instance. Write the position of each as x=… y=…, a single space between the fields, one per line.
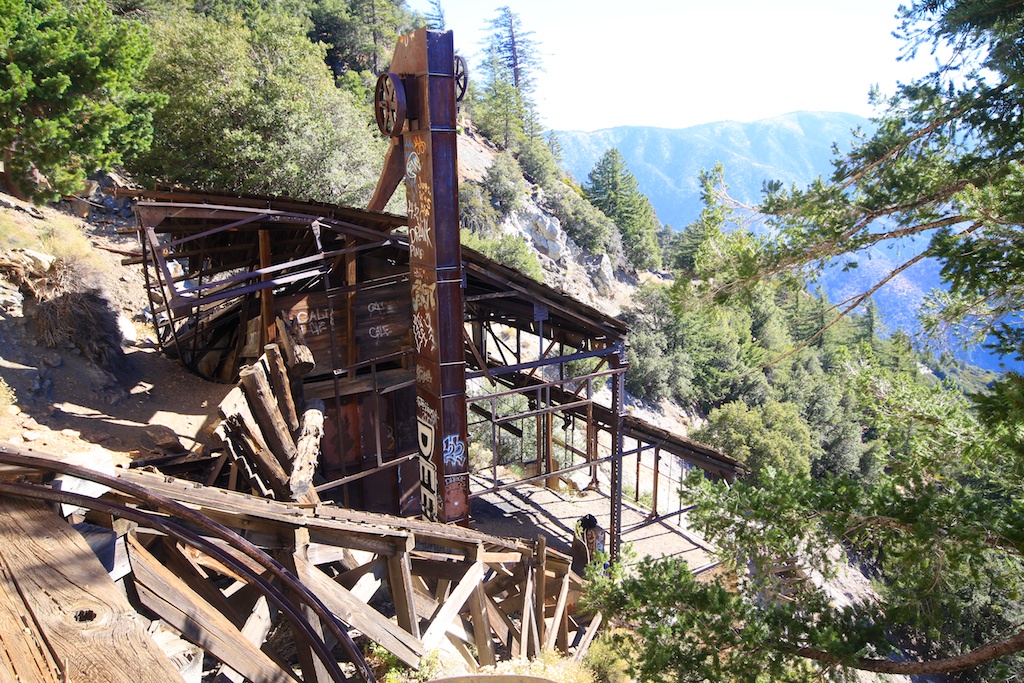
x=307 y=454
x=297 y=355
x=481 y=627
x=352 y=611
x=255 y=630
x=278 y=373
x=268 y=329
x=528 y=646
x=453 y=605
x=313 y=669
x=559 y=621
x=400 y=582
x=540 y=571
x=588 y=637
x=264 y=407
x=503 y=627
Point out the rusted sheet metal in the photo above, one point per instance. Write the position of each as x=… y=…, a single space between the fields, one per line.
x=312 y=312
x=383 y=317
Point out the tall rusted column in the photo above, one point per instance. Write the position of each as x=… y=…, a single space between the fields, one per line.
x=618 y=361
x=425 y=61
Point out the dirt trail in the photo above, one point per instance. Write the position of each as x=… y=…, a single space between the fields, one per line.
x=64 y=402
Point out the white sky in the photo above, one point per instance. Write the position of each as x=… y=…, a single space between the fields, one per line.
x=680 y=63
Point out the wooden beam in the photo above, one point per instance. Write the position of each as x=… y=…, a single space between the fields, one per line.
x=24 y=652
x=94 y=632
x=251 y=514
x=588 y=637
x=313 y=670
x=255 y=630
x=282 y=386
x=540 y=579
x=529 y=645
x=560 y=615
x=453 y=605
x=168 y=597
x=400 y=582
x=264 y=406
x=297 y=354
x=353 y=612
x=481 y=627
x=503 y=627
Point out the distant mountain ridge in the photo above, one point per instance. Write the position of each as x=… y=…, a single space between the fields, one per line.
x=793 y=148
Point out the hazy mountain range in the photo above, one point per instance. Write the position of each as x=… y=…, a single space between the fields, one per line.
x=794 y=148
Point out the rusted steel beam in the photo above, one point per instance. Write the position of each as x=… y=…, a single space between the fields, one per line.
x=415 y=105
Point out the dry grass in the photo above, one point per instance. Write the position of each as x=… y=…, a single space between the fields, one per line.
x=7 y=397
x=66 y=307
x=58 y=235
x=547 y=665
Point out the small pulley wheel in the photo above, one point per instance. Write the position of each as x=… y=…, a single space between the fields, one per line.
x=389 y=104
x=461 y=78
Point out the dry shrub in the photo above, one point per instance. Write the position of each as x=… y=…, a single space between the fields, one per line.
x=547 y=665
x=83 y=319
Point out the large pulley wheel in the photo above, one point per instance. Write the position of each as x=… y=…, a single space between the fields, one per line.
x=461 y=78
x=389 y=104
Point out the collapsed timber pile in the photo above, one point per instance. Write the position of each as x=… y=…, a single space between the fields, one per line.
x=272 y=587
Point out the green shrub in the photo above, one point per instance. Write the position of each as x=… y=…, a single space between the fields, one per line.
x=505 y=184
x=509 y=250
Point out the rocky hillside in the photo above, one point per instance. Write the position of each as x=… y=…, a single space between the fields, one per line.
x=568 y=268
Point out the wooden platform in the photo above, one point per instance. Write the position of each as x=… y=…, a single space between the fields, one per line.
x=61 y=616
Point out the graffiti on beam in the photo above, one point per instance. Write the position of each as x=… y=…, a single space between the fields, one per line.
x=428 y=472
x=453 y=450
x=427 y=413
x=419 y=199
x=424 y=303
x=456 y=493
x=423 y=376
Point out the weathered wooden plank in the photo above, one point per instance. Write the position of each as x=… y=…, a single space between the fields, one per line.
x=400 y=583
x=529 y=631
x=256 y=384
x=453 y=605
x=588 y=637
x=255 y=630
x=481 y=627
x=24 y=654
x=177 y=604
x=190 y=573
x=279 y=380
x=503 y=627
x=298 y=356
x=313 y=670
x=560 y=615
x=249 y=513
x=95 y=634
x=352 y=611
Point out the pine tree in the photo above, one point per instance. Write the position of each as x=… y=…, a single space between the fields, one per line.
x=614 y=190
x=68 y=98
x=435 y=17
x=515 y=48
